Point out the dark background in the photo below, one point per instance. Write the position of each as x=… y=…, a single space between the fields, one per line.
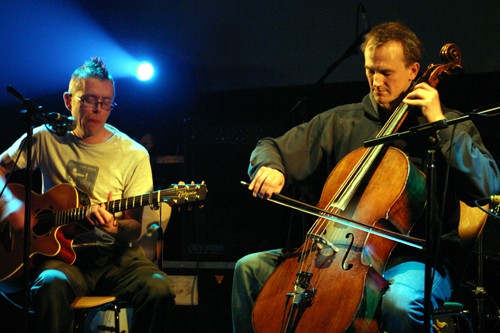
x=230 y=72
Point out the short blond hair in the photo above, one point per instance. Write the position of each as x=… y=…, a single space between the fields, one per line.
x=395 y=31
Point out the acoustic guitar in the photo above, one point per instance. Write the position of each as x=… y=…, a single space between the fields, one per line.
x=57 y=217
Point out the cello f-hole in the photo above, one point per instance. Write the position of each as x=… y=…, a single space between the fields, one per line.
x=345 y=265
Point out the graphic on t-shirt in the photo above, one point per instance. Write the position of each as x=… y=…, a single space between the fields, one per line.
x=84 y=175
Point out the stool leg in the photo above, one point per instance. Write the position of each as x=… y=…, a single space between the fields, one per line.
x=117 y=318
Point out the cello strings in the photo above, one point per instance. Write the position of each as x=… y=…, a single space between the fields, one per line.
x=358 y=172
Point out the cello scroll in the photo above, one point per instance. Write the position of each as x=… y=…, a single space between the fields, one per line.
x=451 y=54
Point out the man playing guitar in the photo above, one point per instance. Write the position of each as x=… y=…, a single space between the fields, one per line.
x=105 y=164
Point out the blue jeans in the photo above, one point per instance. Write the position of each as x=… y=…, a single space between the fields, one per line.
x=402 y=308
x=403 y=303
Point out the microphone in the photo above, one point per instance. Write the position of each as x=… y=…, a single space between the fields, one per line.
x=60 y=123
x=58 y=118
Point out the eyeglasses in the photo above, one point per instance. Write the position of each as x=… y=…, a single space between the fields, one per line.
x=89 y=101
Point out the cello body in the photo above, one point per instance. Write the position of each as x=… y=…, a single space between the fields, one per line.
x=341 y=273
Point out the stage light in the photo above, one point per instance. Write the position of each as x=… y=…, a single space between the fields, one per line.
x=145 y=71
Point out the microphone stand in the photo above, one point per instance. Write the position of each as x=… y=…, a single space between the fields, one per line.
x=29 y=114
x=480 y=291
x=433 y=223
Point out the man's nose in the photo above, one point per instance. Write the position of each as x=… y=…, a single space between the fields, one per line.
x=377 y=79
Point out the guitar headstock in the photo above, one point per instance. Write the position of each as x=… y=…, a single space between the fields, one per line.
x=184 y=193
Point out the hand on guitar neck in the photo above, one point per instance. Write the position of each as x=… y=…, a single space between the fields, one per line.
x=128 y=229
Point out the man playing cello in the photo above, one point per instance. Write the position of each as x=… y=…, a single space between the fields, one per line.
x=392 y=54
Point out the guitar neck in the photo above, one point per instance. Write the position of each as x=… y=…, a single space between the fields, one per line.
x=147 y=199
x=175 y=195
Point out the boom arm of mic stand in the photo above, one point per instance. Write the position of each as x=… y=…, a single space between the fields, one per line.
x=427 y=128
x=420 y=129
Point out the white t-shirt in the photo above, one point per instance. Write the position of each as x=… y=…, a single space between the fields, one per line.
x=119 y=165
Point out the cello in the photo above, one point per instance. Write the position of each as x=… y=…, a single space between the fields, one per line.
x=334 y=282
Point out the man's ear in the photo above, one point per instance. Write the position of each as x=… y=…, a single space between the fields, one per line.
x=415 y=68
x=67 y=100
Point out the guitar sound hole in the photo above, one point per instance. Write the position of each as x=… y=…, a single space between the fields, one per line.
x=44 y=222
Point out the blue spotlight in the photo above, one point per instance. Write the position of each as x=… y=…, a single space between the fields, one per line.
x=144 y=71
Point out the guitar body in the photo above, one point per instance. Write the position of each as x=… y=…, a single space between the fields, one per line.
x=46 y=237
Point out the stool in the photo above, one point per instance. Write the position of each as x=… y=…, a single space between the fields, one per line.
x=451 y=309
x=89 y=303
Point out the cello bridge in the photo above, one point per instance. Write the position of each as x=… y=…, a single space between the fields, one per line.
x=324 y=245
